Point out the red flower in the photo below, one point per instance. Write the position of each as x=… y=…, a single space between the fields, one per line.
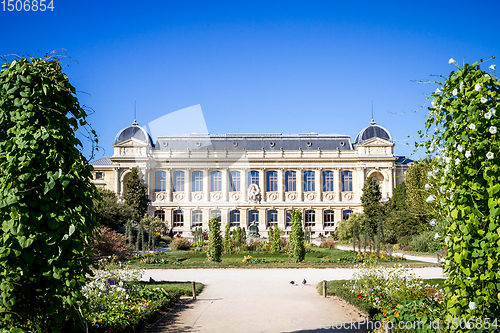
x=359 y=296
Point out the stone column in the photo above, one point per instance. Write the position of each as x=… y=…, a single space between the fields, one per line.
x=337 y=186
x=244 y=184
x=168 y=217
x=206 y=184
x=168 y=184
x=318 y=183
x=188 y=216
x=244 y=218
x=358 y=182
x=225 y=185
x=337 y=216
x=319 y=220
x=300 y=184
x=206 y=217
x=262 y=220
x=262 y=185
x=281 y=184
x=224 y=219
x=187 y=184
x=116 y=173
x=281 y=218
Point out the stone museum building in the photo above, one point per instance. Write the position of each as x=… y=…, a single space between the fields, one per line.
x=245 y=178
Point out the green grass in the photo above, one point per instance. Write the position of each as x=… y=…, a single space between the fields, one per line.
x=316 y=257
x=184 y=288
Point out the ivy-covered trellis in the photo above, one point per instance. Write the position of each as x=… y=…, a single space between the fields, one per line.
x=461 y=131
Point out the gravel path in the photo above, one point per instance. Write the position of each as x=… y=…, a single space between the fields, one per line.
x=262 y=300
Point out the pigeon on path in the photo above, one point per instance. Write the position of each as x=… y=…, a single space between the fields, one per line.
x=304 y=281
x=292 y=282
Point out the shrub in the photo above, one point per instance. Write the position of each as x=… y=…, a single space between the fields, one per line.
x=328 y=243
x=296 y=249
x=108 y=242
x=214 y=252
x=180 y=243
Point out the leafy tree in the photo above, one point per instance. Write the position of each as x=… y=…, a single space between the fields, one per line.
x=297 y=249
x=467 y=189
x=137 y=195
x=214 y=252
x=238 y=236
x=372 y=208
x=46 y=194
x=227 y=239
x=399 y=224
x=109 y=211
x=399 y=197
x=276 y=240
x=344 y=230
x=417 y=177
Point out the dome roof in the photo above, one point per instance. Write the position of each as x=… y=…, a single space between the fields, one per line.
x=373 y=131
x=134 y=131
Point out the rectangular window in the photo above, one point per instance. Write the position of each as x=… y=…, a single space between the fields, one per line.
x=328 y=181
x=216 y=181
x=178 y=181
x=272 y=181
x=99 y=175
x=288 y=219
x=197 y=219
x=310 y=218
x=346 y=214
x=328 y=218
x=160 y=214
x=309 y=181
x=272 y=218
x=253 y=216
x=160 y=181
x=253 y=178
x=234 y=218
x=346 y=178
x=234 y=181
x=290 y=181
x=178 y=218
x=197 y=181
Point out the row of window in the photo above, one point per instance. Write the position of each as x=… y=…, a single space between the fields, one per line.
x=253 y=216
x=253 y=178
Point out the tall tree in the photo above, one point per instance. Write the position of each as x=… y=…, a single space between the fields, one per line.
x=137 y=195
x=297 y=250
x=109 y=211
x=46 y=193
x=214 y=252
x=420 y=182
x=372 y=208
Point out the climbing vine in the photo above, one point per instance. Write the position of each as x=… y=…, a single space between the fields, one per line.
x=461 y=133
x=46 y=208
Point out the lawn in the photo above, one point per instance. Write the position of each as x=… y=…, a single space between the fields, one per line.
x=316 y=257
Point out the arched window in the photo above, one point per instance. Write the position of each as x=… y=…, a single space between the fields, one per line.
x=328 y=181
x=216 y=213
x=197 y=181
x=234 y=181
x=234 y=218
x=290 y=181
x=178 y=218
x=178 y=181
x=346 y=179
x=346 y=213
x=197 y=218
x=288 y=219
x=160 y=214
x=216 y=181
x=160 y=181
x=308 y=181
x=272 y=218
x=253 y=216
x=329 y=218
x=310 y=218
x=272 y=181
x=253 y=178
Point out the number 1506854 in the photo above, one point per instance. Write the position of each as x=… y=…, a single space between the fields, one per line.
x=27 y=5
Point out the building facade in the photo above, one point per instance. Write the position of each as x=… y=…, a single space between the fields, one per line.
x=245 y=178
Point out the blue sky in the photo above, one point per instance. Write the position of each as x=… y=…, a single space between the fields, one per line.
x=259 y=66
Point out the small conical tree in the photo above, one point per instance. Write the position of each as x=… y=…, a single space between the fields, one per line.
x=128 y=232
x=238 y=237
x=214 y=252
x=276 y=241
x=227 y=240
x=140 y=238
x=297 y=249
x=137 y=195
x=243 y=236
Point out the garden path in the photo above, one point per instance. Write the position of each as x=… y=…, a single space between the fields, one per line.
x=261 y=300
x=424 y=258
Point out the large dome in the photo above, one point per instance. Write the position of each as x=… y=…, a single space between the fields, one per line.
x=373 y=131
x=133 y=131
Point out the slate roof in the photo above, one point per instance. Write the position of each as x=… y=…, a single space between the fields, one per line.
x=102 y=161
x=254 y=141
x=371 y=131
x=133 y=131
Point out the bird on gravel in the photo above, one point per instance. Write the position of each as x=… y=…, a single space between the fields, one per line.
x=292 y=282
x=304 y=281
x=151 y=280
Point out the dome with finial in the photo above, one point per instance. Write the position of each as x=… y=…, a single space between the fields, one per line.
x=133 y=131
x=373 y=131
